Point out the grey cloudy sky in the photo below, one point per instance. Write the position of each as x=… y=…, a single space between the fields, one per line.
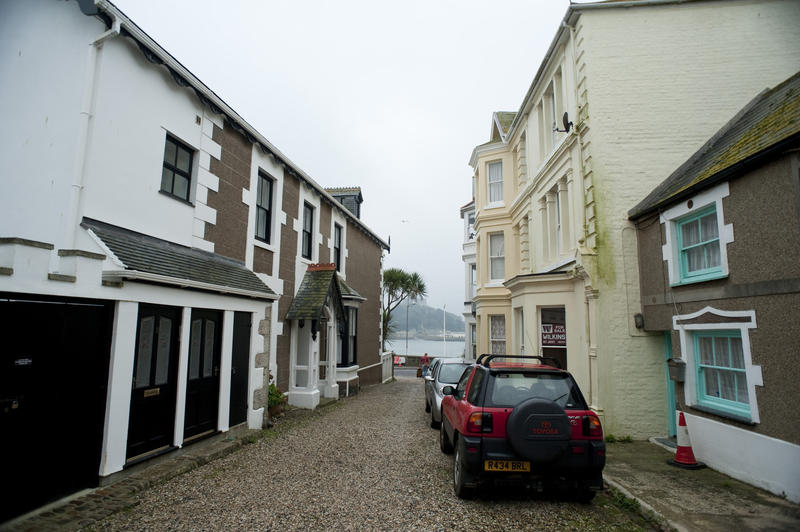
x=388 y=96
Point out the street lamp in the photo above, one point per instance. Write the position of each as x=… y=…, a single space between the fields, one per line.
x=413 y=302
x=444 y=329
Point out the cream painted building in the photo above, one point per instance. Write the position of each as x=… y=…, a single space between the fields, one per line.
x=643 y=85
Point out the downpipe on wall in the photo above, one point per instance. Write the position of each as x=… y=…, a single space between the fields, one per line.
x=87 y=108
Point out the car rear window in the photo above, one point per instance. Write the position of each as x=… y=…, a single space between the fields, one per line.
x=511 y=388
x=450 y=373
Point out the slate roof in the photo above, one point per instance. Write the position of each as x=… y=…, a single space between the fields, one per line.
x=313 y=292
x=147 y=254
x=156 y=54
x=347 y=290
x=767 y=125
x=335 y=191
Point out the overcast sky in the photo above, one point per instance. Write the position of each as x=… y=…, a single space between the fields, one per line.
x=388 y=96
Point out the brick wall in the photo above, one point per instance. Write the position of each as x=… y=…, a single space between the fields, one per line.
x=286 y=271
x=229 y=234
x=659 y=82
x=325 y=232
x=364 y=275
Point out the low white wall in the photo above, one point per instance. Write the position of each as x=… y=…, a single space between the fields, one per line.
x=765 y=462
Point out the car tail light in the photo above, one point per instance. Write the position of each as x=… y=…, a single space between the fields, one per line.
x=479 y=422
x=591 y=426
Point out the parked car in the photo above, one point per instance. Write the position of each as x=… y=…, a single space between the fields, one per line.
x=447 y=371
x=518 y=419
x=426 y=370
x=429 y=371
x=429 y=378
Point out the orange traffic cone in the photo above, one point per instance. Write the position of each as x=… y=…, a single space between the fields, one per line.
x=684 y=457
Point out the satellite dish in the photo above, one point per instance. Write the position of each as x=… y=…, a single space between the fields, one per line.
x=566 y=122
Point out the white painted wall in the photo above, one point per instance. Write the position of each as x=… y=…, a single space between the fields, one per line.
x=765 y=462
x=137 y=103
x=660 y=82
x=134 y=105
x=40 y=110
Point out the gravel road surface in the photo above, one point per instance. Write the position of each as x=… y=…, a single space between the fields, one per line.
x=370 y=462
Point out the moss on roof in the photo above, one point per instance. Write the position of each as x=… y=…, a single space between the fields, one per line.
x=313 y=293
x=505 y=119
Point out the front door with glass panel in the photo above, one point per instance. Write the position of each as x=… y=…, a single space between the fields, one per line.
x=202 y=388
x=553 y=327
x=152 y=414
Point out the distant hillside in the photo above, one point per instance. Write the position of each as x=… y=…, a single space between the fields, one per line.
x=423 y=318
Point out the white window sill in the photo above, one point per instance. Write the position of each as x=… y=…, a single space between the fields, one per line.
x=495 y=205
x=263 y=245
x=494 y=284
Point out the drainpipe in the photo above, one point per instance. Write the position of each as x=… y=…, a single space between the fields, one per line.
x=87 y=106
x=575 y=129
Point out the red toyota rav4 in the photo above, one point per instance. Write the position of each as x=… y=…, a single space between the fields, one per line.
x=514 y=418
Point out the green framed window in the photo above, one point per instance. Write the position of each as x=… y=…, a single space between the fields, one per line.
x=699 y=246
x=721 y=374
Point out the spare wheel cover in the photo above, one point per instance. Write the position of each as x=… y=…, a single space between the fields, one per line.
x=538 y=429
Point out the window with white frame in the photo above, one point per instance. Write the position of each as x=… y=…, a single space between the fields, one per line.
x=471 y=226
x=697 y=238
x=494 y=172
x=497 y=335
x=698 y=244
x=337 y=246
x=308 y=228
x=720 y=374
x=474 y=336
x=264 y=207
x=473 y=280
x=497 y=265
x=558 y=235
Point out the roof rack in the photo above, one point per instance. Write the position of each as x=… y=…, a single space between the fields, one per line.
x=485 y=359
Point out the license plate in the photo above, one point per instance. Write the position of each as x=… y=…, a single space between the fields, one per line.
x=508 y=466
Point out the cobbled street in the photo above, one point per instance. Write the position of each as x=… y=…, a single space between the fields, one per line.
x=370 y=462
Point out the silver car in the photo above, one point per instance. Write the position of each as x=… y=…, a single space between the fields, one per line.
x=446 y=373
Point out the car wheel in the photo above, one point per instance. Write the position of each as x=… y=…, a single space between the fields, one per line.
x=434 y=424
x=444 y=441
x=585 y=495
x=463 y=481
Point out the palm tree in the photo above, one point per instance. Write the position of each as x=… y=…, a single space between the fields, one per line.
x=398 y=286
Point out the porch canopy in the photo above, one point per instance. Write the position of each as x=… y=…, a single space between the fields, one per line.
x=145 y=258
x=320 y=287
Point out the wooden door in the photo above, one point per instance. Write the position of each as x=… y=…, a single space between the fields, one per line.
x=151 y=425
x=240 y=367
x=202 y=388
x=53 y=384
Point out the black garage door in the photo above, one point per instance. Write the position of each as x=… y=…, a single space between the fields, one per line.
x=53 y=378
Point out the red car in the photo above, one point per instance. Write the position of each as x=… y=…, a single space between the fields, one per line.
x=517 y=419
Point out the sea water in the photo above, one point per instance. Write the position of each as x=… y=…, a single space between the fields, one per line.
x=418 y=347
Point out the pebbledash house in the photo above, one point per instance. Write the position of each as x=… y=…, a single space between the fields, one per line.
x=718 y=246
x=160 y=260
